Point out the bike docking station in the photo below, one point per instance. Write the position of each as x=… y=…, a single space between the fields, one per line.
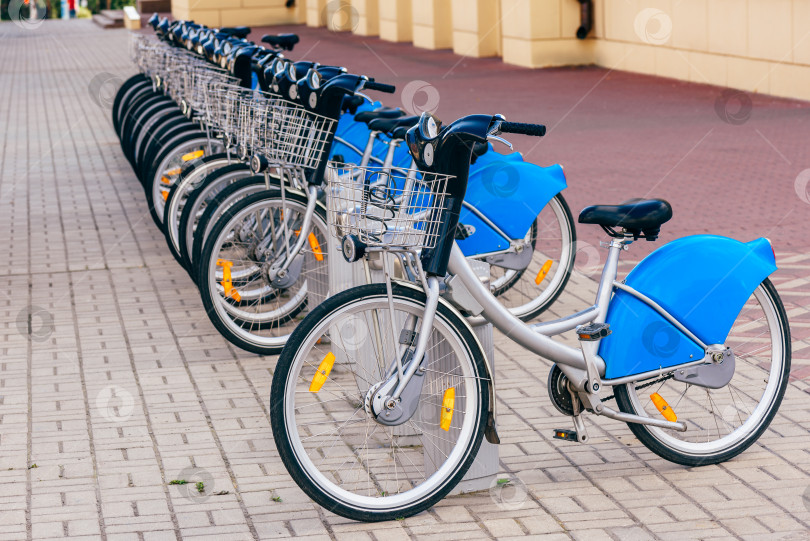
x=344 y=275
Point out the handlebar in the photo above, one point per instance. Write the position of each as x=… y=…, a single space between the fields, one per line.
x=380 y=87
x=536 y=130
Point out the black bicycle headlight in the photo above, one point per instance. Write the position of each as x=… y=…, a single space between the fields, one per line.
x=313 y=79
x=421 y=139
x=428 y=126
x=352 y=248
x=277 y=65
x=258 y=164
x=314 y=83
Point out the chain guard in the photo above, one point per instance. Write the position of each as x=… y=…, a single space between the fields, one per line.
x=558 y=391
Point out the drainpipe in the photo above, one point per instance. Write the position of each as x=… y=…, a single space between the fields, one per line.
x=586 y=18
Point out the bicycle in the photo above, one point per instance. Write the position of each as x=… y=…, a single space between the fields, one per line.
x=382 y=396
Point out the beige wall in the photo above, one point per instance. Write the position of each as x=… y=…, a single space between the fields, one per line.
x=432 y=25
x=238 y=12
x=754 y=45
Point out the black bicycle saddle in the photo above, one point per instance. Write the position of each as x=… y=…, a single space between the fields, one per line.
x=640 y=217
x=387 y=125
x=382 y=112
x=240 y=32
x=281 y=41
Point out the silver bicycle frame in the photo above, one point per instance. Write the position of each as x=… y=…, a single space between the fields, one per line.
x=583 y=367
x=537 y=338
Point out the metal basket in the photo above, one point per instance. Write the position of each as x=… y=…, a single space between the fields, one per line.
x=386 y=209
x=290 y=136
x=199 y=80
x=222 y=107
x=252 y=116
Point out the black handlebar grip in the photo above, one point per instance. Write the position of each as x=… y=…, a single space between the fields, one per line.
x=380 y=87
x=536 y=130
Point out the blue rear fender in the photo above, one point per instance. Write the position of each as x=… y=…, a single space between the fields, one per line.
x=703 y=281
x=511 y=193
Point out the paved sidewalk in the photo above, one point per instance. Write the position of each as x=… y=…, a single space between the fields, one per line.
x=113 y=383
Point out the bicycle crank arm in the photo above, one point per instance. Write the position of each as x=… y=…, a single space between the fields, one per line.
x=630 y=418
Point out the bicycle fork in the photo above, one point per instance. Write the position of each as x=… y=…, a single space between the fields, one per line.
x=395 y=398
x=279 y=274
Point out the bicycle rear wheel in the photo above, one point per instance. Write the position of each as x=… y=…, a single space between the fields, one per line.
x=529 y=291
x=334 y=448
x=724 y=422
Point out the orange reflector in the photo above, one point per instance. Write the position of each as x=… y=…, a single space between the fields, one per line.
x=316 y=247
x=165 y=180
x=164 y=194
x=543 y=271
x=448 y=402
x=172 y=172
x=227 y=283
x=192 y=155
x=323 y=372
x=663 y=408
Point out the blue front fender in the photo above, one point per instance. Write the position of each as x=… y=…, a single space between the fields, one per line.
x=703 y=281
x=511 y=194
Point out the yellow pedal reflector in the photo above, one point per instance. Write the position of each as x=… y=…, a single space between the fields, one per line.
x=448 y=402
x=227 y=283
x=663 y=408
x=192 y=155
x=323 y=372
x=164 y=194
x=543 y=271
x=316 y=246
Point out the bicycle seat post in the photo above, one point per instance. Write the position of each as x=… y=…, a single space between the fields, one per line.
x=609 y=273
x=372 y=136
x=393 y=144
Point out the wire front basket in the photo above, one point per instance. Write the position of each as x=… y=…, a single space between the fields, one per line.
x=386 y=209
x=200 y=79
x=222 y=106
x=290 y=136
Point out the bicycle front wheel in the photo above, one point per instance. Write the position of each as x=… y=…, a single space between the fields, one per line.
x=330 y=442
x=250 y=309
x=722 y=423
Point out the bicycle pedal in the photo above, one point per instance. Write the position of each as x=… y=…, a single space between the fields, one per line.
x=568 y=435
x=593 y=331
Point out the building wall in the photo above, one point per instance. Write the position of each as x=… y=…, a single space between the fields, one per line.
x=238 y=12
x=754 y=45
